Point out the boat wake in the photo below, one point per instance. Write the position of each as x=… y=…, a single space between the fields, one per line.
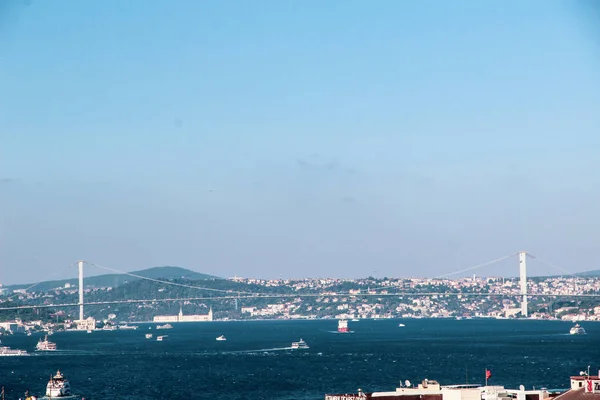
x=258 y=350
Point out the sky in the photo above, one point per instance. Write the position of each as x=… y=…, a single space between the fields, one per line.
x=296 y=139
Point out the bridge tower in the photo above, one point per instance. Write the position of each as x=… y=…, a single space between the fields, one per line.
x=81 y=290
x=523 y=281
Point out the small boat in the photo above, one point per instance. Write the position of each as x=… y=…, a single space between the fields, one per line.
x=401 y=325
x=343 y=326
x=148 y=336
x=161 y=338
x=109 y=328
x=577 y=330
x=89 y=331
x=45 y=345
x=7 y=351
x=165 y=326
x=128 y=327
x=221 y=338
x=301 y=344
x=58 y=386
x=27 y=396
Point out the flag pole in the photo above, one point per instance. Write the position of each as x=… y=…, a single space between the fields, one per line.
x=486 y=378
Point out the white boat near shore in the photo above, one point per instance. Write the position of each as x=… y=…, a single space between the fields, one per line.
x=6 y=351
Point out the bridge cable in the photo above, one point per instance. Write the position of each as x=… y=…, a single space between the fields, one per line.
x=476 y=267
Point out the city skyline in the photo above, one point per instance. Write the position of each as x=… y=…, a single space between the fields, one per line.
x=297 y=139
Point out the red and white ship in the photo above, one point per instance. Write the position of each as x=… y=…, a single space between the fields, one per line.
x=45 y=345
x=343 y=326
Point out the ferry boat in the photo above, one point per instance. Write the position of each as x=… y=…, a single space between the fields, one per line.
x=221 y=338
x=45 y=345
x=165 y=326
x=577 y=330
x=128 y=327
x=7 y=351
x=343 y=326
x=301 y=344
x=58 y=386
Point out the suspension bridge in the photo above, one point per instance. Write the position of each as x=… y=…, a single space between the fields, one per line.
x=372 y=292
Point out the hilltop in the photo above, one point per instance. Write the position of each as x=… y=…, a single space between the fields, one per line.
x=590 y=274
x=115 y=280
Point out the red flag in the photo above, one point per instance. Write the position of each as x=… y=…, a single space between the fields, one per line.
x=488 y=374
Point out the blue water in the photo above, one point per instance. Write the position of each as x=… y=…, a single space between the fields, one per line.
x=192 y=364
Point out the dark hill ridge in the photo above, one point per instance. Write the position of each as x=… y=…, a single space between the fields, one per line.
x=115 y=280
x=590 y=274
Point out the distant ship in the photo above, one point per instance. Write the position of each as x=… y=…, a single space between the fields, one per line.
x=165 y=326
x=301 y=344
x=45 y=345
x=148 y=336
x=58 y=386
x=128 y=327
x=7 y=351
x=221 y=338
x=161 y=338
x=343 y=326
x=577 y=330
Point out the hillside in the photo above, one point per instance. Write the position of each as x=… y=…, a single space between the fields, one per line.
x=590 y=274
x=115 y=280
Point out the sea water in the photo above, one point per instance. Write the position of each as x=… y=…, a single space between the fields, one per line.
x=255 y=361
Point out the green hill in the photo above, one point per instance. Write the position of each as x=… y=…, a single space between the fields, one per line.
x=589 y=274
x=114 y=280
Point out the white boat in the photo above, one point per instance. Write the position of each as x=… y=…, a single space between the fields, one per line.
x=577 y=330
x=301 y=344
x=401 y=325
x=148 y=336
x=109 y=328
x=221 y=338
x=128 y=327
x=7 y=351
x=45 y=345
x=165 y=326
x=343 y=326
x=161 y=338
x=58 y=386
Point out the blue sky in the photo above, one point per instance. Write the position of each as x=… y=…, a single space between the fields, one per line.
x=298 y=138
